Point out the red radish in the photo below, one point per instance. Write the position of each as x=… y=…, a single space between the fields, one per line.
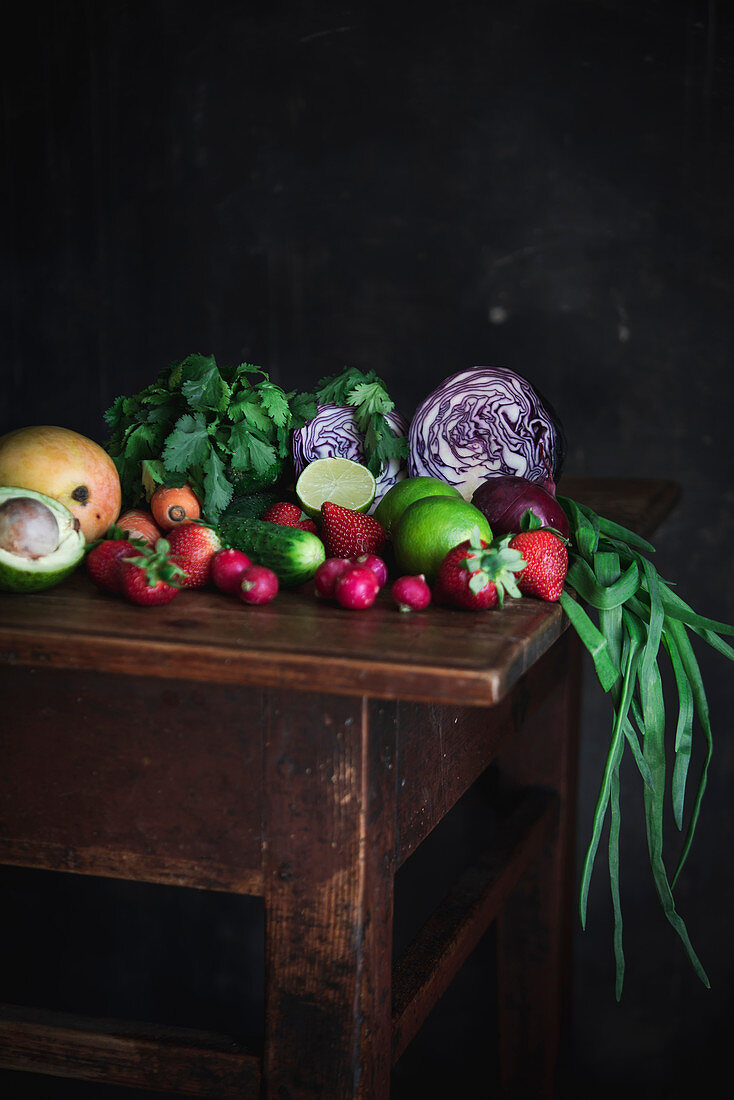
x=258 y=585
x=356 y=588
x=326 y=575
x=227 y=569
x=411 y=593
x=139 y=524
x=374 y=563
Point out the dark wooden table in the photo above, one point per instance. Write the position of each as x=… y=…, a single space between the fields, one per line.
x=301 y=753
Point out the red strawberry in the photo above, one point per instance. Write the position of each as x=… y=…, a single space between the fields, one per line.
x=476 y=575
x=193 y=545
x=284 y=514
x=347 y=533
x=546 y=561
x=308 y=525
x=104 y=562
x=148 y=576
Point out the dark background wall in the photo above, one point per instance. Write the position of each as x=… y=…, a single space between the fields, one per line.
x=413 y=189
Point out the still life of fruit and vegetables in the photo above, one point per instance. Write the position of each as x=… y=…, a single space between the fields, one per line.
x=217 y=478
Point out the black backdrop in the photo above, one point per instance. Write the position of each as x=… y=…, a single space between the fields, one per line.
x=413 y=189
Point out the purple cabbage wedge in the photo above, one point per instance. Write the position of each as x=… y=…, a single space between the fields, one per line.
x=481 y=422
x=333 y=433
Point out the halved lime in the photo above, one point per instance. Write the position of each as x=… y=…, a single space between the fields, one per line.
x=339 y=480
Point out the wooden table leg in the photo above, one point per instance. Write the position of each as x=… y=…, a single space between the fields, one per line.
x=328 y=836
x=535 y=927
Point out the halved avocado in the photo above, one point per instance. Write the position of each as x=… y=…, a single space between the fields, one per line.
x=40 y=541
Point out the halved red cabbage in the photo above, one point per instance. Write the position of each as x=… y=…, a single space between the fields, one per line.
x=333 y=433
x=485 y=421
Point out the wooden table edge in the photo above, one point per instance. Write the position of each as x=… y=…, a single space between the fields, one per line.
x=424 y=683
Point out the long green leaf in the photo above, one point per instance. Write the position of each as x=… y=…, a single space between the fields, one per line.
x=684 y=727
x=606 y=575
x=584 y=526
x=614 y=757
x=614 y=831
x=593 y=639
x=700 y=702
x=606 y=526
x=651 y=692
x=679 y=609
x=603 y=597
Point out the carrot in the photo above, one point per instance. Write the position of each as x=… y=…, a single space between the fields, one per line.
x=139 y=525
x=172 y=507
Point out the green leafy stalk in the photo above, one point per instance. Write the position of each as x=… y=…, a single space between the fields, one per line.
x=639 y=617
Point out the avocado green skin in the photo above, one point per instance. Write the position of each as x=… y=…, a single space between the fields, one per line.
x=16 y=580
x=18 y=575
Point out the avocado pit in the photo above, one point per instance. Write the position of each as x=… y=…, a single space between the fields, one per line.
x=28 y=528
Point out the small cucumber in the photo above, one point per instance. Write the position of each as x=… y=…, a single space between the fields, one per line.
x=292 y=554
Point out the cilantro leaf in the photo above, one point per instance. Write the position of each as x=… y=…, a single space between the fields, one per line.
x=218 y=489
x=198 y=423
x=188 y=443
x=275 y=402
x=249 y=451
x=333 y=389
x=249 y=409
x=140 y=443
x=366 y=393
x=114 y=417
x=304 y=407
x=203 y=386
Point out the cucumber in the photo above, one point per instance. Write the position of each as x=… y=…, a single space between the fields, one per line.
x=292 y=554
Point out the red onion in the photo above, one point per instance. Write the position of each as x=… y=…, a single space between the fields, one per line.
x=505 y=499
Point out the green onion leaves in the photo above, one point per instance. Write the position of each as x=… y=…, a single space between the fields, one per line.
x=639 y=618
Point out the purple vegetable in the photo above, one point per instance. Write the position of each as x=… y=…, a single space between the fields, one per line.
x=333 y=433
x=481 y=422
x=505 y=499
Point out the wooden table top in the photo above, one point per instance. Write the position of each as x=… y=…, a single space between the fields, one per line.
x=298 y=642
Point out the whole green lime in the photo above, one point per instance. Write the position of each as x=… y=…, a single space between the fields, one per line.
x=406 y=492
x=429 y=528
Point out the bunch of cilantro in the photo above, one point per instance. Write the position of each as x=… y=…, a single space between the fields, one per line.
x=218 y=429
x=367 y=395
